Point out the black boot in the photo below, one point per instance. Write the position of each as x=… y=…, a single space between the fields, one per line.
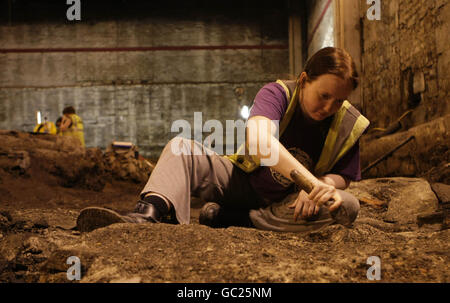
x=214 y=215
x=145 y=212
x=92 y=218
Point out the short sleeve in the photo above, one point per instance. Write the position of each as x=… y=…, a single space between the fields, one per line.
x=270 y=102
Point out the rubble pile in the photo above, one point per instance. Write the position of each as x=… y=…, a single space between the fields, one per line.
x=126 y=164
x=66 y=162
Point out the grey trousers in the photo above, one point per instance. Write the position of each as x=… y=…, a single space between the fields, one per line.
x=186 y=168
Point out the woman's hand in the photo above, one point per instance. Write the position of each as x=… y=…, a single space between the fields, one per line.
x=323 y=193
x=65 y=123
x=309 y=205
x=304 y=206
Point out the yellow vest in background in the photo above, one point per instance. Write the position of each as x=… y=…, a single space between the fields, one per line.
x=346 y=128
x=76 y=130
x=45 y=127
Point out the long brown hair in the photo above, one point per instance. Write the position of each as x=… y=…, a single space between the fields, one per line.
x=332 y=60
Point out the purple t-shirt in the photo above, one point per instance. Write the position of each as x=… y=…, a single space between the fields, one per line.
x=303 y=138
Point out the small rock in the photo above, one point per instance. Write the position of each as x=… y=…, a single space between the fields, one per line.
x=389 y=219
x=41 y=223
x=28 y=225
x=6 y=214
x=33 y=245
x=442 y=192
x=407 y=197
x=4 y=223
x=20 y=224
x=430 y=218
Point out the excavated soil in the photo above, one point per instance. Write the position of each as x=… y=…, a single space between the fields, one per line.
x=38 y=212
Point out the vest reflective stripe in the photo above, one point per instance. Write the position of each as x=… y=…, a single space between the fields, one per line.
x=292 y=105
x=243 y=160
x=358 y=129
x=346 y=128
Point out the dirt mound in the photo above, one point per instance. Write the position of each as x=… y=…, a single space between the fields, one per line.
x=34 y=252
x=64 y=161
x=57 y=159
x=42 y=192
x=126 y=164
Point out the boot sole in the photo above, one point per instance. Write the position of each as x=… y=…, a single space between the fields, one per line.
x=92 y=218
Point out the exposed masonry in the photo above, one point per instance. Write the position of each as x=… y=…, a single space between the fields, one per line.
x=410 y=39
x=136 y=95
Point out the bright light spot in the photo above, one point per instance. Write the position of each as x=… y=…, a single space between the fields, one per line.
x=328 y=37
x=38 y=117
x=244 y=112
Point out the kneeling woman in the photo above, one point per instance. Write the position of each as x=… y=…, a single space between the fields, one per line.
x=318 y=136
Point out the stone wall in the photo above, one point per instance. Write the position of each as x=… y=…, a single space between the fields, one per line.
x=131 y=72
x=408 y=45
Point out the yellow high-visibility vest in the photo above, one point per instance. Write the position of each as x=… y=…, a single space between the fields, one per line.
x=45 y=127
x=346 y=128
x=76 y=130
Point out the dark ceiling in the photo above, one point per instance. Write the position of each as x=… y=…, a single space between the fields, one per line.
x=30 y=11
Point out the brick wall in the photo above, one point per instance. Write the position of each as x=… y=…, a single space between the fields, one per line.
x=412 y=38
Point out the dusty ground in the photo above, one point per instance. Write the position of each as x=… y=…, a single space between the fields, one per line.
x=37 y=214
